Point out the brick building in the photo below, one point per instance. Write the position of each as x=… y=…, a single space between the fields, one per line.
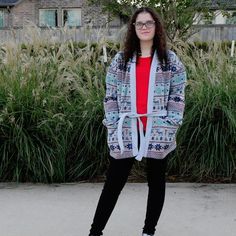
x=53 y=13
x=15 y=14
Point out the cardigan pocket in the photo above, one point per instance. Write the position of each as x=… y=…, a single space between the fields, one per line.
x=169 y=129
x=163 y=140
x=163 y=135
x=112 y=140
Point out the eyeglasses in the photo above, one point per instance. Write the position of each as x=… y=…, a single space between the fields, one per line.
x=149 y=24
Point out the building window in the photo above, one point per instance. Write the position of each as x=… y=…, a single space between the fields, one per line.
x=72 y=17
x=232 y=18
x=2 y=19
x=48 y=18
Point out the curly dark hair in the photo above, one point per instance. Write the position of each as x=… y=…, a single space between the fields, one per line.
x=132 y=44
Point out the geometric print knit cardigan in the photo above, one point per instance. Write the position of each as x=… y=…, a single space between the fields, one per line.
x=165 y=108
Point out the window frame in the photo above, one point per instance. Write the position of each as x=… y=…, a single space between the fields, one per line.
x=3 y=12
x=56 y=18
x=68 y=9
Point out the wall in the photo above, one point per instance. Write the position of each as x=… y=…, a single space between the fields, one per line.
x=28 y=10
x=24 y=11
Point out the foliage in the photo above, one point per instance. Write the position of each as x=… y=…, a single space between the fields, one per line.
x=206 y=140
x=178 y=15
x=51 y=112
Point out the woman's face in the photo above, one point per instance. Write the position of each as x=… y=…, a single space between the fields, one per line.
x=145 y=32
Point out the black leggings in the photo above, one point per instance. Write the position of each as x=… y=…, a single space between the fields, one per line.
x=116 y=177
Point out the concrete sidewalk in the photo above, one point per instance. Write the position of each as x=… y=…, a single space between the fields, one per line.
x=68 y=209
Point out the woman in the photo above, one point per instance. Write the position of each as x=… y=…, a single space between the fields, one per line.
x=144 y=107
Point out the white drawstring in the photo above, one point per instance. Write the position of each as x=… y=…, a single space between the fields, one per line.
x=142 y=139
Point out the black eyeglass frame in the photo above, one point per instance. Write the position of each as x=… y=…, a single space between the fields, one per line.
x=145 y=23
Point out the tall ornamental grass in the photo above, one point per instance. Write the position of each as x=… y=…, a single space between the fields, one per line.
x=207 y=138
x=51 y=113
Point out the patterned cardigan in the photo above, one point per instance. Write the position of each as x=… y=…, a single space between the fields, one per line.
x=164 y=112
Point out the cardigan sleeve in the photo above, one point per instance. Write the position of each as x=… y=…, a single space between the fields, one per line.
x=176 y=100
x=110 y=100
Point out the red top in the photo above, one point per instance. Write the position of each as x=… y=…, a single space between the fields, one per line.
x=142 y=81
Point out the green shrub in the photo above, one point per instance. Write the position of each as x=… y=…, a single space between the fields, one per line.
x=51 y=112
x=207 y=140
